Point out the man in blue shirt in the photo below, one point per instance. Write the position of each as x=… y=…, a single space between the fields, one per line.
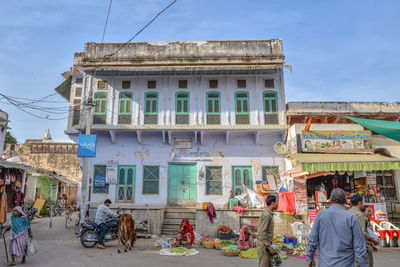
x=338 y=236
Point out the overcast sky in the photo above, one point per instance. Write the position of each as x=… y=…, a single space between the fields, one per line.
x=340 y=50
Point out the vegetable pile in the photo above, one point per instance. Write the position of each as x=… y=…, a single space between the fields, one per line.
x=300 y=250
x=249 y=254
x=178 y=250
x=227 y=243
x=230 y=249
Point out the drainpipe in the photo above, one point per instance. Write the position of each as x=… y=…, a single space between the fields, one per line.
x=23 y=182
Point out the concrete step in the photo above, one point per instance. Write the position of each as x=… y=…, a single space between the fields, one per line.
x=175 y=221
x=190 y=216
x=169 y=233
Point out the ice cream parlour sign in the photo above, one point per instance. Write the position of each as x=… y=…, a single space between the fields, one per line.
x=336 y=141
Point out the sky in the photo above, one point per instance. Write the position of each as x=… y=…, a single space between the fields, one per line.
x=340 y=50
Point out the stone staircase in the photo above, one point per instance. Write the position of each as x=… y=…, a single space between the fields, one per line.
x=173 y=218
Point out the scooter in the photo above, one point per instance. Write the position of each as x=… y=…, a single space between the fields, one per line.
x=90 y=232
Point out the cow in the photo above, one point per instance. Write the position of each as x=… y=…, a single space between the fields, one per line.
x=126 y=226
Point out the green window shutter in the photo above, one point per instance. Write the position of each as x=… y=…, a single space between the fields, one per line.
x=242 y=107
x=213 y=108
x=270 y=107
x=100 y=109
x=151 y=108
x=76 y=118
x=125 y=108
x=99 y=170
x=214 y=180
x=151 y=179
x=182 y=108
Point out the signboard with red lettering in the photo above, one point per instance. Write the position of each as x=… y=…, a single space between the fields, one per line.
x=379 y=212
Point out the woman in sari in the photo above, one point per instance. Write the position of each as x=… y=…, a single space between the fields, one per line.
x=185 y=233
x=246 y=240
x=20 y=234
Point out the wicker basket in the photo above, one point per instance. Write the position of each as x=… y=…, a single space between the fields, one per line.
x=208 y=245
x=231 y=253
x=218 y=246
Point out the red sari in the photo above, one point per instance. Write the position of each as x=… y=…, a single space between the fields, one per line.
x=185 y=233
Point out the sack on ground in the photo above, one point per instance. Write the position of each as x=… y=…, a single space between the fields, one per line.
x=32 y=248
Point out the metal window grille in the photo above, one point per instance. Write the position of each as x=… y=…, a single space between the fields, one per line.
x=151 y=179
x=214 y=180
x=182 y=119
x=213 y=119
x=385 y=181
x=243 y=119
x=271 y=118
x=101 y=84
x=241 y=84
x=151 y=84
x=183 y=84
x=213 y=84
x=78 y=91
x=269 y=83
x=126 y=84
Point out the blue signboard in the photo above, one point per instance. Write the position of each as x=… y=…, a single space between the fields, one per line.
x=87 y=145
x=99 y=181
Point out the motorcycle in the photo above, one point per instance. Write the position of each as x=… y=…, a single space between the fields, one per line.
x=90 y=232
x=30 y=212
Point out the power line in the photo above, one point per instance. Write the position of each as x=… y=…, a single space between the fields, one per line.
x=105 y=25
x=142 y=29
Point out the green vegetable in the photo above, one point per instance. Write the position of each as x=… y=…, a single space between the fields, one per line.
x=250 y=253
x=178 y=250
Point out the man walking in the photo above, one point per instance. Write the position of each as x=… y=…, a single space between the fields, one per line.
x=103 y=212
x=357 y=205
x=338 y=236
x=266 y=233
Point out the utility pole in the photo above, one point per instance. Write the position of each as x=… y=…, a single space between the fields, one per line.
x=85 y=168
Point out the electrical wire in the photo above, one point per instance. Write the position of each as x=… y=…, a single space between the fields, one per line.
x=105 y=25
x=142 y=29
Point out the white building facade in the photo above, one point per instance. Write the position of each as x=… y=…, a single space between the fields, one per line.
x=186 y=122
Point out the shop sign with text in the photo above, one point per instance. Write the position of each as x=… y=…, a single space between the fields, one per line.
x=336 y=141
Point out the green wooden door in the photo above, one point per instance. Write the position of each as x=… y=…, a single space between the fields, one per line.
x=126 y=184
x=241 y=176
x=182 y=182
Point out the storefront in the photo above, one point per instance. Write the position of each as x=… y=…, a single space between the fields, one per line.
x=320 y=169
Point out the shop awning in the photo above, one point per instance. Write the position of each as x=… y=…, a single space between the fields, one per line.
x=390 y=129
x=312 y=162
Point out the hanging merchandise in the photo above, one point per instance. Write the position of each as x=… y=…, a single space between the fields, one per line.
x=287 y=202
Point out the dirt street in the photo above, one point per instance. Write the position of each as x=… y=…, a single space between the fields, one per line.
x=59 y=247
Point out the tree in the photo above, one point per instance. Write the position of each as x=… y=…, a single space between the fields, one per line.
x=9 y=139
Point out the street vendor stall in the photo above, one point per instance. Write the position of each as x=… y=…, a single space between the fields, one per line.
x=340 y=159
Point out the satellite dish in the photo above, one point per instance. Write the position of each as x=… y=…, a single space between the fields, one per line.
x=280 y=148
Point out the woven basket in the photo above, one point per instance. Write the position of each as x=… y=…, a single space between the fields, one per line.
x=208 y=245
x=218 y=246
x=231 y=253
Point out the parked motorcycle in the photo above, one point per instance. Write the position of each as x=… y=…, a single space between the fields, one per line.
x=30 y=212
x=90 y=232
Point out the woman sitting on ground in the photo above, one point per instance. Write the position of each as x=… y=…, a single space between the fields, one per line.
x=246 y=240
x=20 y=233
x=185 y=234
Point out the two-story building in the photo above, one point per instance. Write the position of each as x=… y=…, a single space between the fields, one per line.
x=186 y=121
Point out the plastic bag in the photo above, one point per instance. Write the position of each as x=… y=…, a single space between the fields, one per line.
x=254 y=199
x=32 y=248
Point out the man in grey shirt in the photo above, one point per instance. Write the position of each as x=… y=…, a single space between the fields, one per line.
x=338 y=236
x=102 y=214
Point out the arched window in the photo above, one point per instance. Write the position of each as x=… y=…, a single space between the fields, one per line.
x=151 y=108
x=100 y=109
x=125 y=108
x=213 y=107
x=270 y=107
x=242 y=108
x=182 y=108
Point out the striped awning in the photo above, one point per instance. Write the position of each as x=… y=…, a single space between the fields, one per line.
x=312 y=162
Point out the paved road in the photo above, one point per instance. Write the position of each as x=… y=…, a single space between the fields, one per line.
x=59 y=247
